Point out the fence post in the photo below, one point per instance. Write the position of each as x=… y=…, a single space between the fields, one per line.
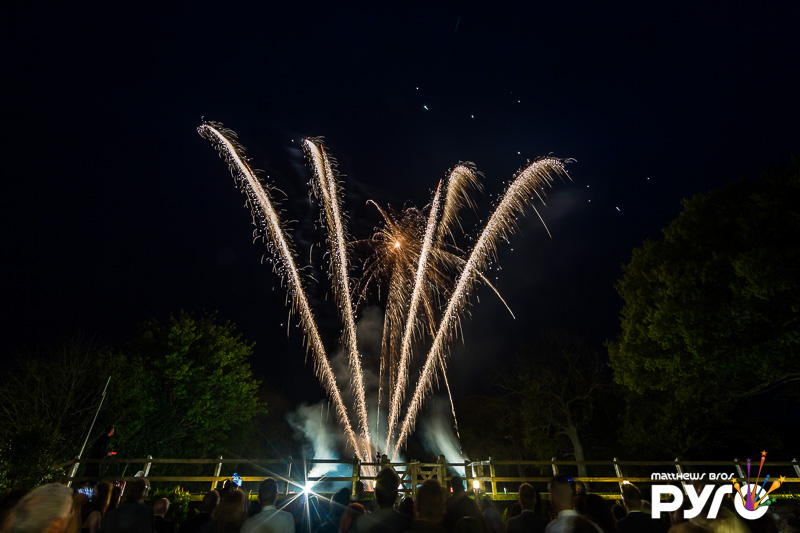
x=554 y=465
x=74 y=470
x=796 y=466
x=619 y=473
x=356 y=475
x=217 y=471
x=288 y=476
x=147 y=465
x=679 y=468
x=493 y=474
x=442 y=468
x=412 y=477
x=467 y=479
x=738 y=467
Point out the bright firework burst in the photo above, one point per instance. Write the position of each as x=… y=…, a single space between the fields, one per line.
x=413 y=258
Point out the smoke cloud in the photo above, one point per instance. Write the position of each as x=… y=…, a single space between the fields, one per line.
x=438 y=436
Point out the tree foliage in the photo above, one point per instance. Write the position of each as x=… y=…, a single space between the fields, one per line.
x=47 y=401
x=711 y=312
x=554 y=401
x=199 y=385
x=559 y=384
x=179 y=389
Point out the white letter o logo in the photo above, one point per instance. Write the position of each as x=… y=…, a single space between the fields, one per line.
x=760 y=511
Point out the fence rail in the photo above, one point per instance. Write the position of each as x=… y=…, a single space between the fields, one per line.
x=489 y=476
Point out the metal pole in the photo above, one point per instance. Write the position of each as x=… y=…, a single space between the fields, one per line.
x=89 y=433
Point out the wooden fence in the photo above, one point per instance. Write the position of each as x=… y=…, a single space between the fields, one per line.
x=498 y=478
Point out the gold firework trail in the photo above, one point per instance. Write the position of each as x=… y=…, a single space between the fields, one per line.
x=463 y=180
x=500 y=226
x=410 y=327
x=414 y=254
x=260 y=202
x=341 y=278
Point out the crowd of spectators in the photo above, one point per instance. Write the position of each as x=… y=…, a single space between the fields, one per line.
x=120 y=508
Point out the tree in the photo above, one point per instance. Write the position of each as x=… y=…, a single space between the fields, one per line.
x=177 y=390
x=489 y=428
x=199 y=386
x=711 y=313
x=558 y=385
x=47 y=401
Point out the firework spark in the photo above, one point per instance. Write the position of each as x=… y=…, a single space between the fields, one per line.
x=412 y=255
x=328 y=185
x=500 y=226
x=416 y=295
x=261 y=203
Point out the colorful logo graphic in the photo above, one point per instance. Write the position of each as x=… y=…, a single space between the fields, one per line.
x=755 y=496
x=751 y=504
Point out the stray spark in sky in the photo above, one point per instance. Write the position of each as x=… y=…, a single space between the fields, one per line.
x=429 y=283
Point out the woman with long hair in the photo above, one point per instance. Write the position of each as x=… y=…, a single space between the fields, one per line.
x=230 y=513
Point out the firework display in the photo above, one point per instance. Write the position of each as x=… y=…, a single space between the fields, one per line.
x=413 y=265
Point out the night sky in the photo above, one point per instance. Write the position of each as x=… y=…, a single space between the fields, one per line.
x=114 y=210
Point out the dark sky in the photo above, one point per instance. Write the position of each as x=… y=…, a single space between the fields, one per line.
x=114 y=210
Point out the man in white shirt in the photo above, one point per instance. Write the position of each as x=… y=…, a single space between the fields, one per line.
x=568 y=520
x=270 y=519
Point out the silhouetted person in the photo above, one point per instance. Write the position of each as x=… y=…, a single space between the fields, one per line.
x=132 y=516
x=100 y=450
x=195 y=524
x=254 y=508
x=339 y=503
x=230 y=513
x=568 y=520
x=459 y=505
x=619 y=512
x=7 y=504
x=596 y=509
x=353 y=511
x=270 y=519
x=492 y=519
x=385 y=519
x=46 y=509
x=469 y=524
x=429 y=508
x=161 y=524
x=116 y=495
x=527 y=520
x=637 y=521
x=361 y=497
x=95 y=510
x=406 y=507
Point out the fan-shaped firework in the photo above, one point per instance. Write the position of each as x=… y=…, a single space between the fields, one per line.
x=413 y=261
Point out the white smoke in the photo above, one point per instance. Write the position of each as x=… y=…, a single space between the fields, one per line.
x=438 y=436
x=321 y=435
